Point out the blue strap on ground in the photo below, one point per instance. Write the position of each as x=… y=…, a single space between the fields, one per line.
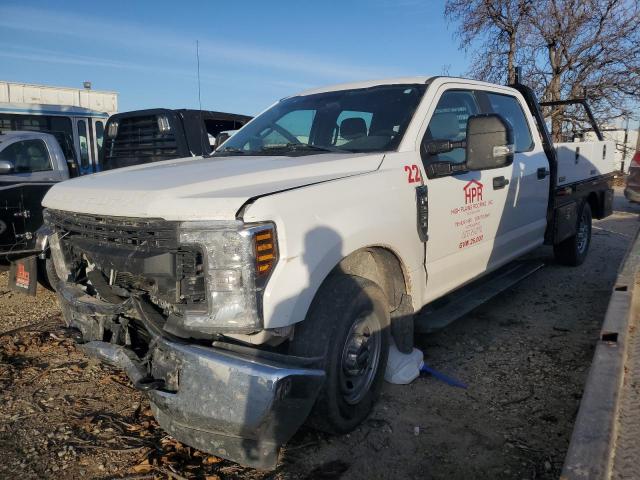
x=442 y=377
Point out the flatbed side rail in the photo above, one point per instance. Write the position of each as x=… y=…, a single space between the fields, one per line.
x=594 y=442
x=587 y=108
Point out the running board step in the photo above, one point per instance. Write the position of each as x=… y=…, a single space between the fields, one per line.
x=451 y=307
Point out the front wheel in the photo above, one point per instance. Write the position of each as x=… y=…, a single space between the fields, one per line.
x=46 y=273
x=348 y=326
x=573 y=251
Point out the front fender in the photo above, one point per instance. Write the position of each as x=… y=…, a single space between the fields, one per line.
x=321 y=224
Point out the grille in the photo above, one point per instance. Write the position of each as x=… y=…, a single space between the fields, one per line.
x=139 y=138
x=120 y=231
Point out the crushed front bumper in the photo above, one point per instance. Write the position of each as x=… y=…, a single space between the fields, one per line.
x=230 y=404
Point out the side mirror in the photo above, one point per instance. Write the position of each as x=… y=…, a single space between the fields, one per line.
x=221 y=138
x=489 y=142
x=6 y=167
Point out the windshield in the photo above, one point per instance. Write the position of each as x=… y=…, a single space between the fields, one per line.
x=361 y=120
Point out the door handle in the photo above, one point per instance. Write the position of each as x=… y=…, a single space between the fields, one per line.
x=499 y=182
x=543 y=173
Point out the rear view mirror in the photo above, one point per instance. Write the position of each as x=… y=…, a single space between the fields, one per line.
x=6 y=167
x=489 y=142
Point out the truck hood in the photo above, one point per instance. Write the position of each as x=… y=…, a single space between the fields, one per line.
x=200 y=188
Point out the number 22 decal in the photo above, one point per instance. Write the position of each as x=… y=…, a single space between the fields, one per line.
x=414 y=173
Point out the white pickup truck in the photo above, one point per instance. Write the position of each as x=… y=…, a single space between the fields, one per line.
x=262 y=286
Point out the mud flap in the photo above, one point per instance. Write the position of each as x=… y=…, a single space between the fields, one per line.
x=607 y=204
x=566 y=222
x=23 y=275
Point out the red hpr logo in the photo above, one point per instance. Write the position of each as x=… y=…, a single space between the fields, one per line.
x=22 y=276
x=472 y=192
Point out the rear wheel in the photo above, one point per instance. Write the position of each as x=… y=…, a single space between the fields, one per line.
x=348 y=326
x=573 y=251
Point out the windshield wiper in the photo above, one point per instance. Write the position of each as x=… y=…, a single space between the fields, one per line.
x=227 y=150
x=301 y=147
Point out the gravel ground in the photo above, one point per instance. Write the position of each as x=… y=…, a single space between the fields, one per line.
x=524 y=356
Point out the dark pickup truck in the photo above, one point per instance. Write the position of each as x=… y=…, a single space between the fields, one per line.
x=145 y=136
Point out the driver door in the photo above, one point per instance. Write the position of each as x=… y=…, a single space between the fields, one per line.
x=466 y=234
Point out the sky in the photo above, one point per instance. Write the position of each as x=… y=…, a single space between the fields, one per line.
x=252 y=53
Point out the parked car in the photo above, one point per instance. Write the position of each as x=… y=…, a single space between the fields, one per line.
x=145 y=136
x=632 y=190
x=30 y=163
x=262 y=287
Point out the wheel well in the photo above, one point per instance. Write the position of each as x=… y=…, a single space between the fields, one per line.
x=381 y=266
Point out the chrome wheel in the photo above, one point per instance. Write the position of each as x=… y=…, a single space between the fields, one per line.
x=582 y=240
x=360 y=358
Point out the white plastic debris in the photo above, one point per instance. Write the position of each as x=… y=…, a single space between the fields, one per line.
x=402 y=368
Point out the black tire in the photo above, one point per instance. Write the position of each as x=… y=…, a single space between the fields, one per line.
x=47 y=276
x=345 y=305
x=573 y=251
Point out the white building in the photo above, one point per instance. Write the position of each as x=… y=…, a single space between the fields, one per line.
x=97 y=100
x=80 y=113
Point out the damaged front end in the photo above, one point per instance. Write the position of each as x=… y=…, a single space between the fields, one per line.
x=158 y=298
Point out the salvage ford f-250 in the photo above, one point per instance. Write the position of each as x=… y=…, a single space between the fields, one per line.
x=262 y=286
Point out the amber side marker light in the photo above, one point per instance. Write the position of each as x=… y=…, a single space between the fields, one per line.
x=266 y=252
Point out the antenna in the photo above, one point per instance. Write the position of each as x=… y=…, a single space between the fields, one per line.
x=517 y=75
x=202 y=152
x=198 y=60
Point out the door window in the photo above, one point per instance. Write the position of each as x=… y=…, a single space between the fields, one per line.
x=99 y=137
x=27 y=156
x=84 y=143
x=509 y=108
x=449 y=122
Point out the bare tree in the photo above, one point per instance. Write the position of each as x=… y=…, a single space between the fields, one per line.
x=499 y=23
x=564 y=47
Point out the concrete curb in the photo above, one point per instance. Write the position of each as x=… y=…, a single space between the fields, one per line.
x=590 y=454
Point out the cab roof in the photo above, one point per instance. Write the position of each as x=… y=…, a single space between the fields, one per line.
x=391 y=81
x=366 y=84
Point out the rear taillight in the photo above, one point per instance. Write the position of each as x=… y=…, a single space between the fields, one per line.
x=112 y=129
x=635 y=162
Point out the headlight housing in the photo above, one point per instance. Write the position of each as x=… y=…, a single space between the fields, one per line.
x=238 y=261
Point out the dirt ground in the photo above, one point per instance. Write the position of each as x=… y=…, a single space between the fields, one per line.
x=524 y=357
